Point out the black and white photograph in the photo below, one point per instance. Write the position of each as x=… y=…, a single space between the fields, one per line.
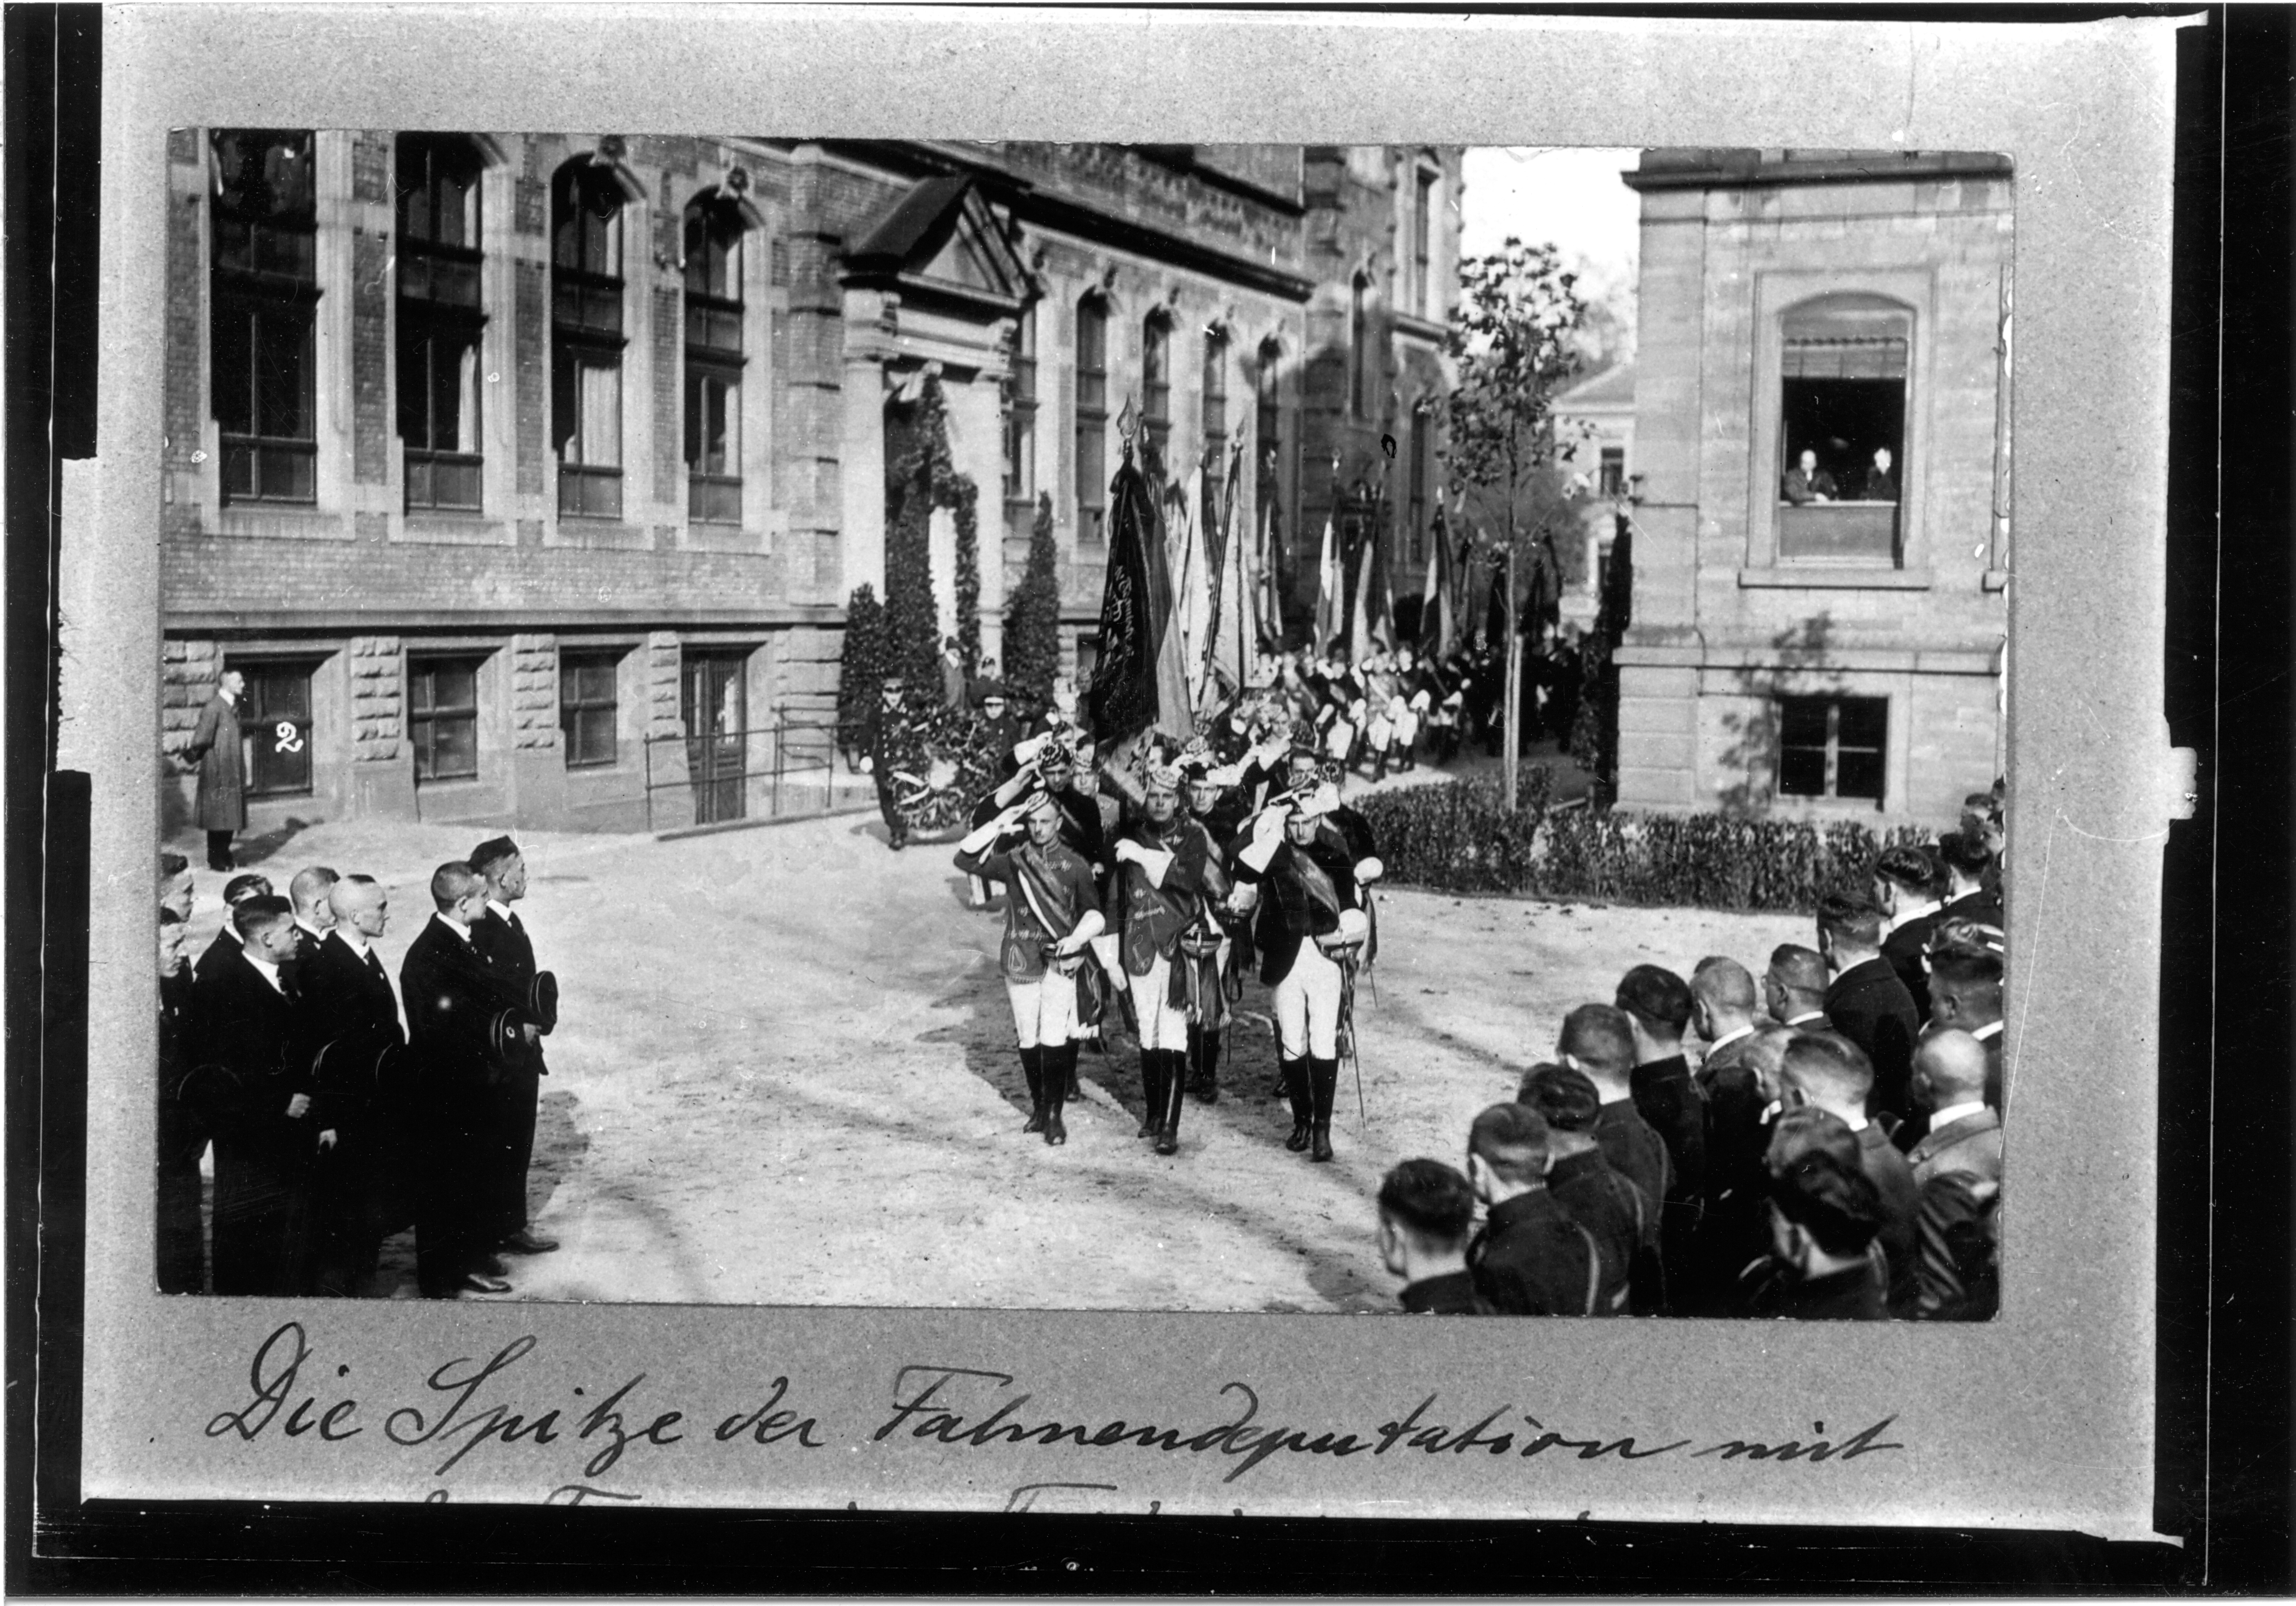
x=898 y=762
x=1329 y=728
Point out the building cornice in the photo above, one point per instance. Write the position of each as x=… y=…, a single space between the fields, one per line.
x=1747 y=168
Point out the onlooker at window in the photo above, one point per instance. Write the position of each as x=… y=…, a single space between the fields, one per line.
x=213 y=748
x=1426 y=1214
x=1880 y=479
x=1807 y=482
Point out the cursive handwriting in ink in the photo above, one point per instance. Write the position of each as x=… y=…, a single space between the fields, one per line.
x=408 y=1426
x=1849 y=1449
x=272 y=1375
x=608 y=1418
x=768 y=1426
x=582 y=1494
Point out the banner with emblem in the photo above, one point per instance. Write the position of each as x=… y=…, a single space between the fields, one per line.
x=1122 y=697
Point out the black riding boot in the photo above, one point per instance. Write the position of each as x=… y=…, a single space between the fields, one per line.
x=1176 y=1094
x=1152 y=1072
x=1296 y=1085
x=1032 y=1066
x=1203 y=1055
x=1325 y=1083
x=1059 y=1072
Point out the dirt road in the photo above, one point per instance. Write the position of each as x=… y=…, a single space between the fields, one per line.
x=783 y=1074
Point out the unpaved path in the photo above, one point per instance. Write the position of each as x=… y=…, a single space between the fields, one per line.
x=783 y=1074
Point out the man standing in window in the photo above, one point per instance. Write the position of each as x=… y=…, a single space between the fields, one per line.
x=221 y=769
x=1807 y=482
x=1880 y=479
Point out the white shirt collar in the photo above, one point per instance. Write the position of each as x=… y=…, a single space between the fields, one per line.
x=1951 y=1113
x=315 y=934
x=440 y=916
x=228 y=695
x=1992 y=1029
x=1920 y=912
x=354 y=940
x=500 y=908
x=1806 y=1015
x=1727 y=1038
x=264 y=969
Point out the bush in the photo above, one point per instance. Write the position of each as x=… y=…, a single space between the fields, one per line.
x=861 y=666
x=1032 y=619
x=1460 y=838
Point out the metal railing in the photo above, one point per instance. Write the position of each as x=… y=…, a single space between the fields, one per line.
x=788 y=767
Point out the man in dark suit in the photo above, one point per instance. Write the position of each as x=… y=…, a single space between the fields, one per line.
x=1598 y=1042
x=501 y=936
x=1625 y=1225
x=1906 y=884
x=464 y=1026
x=181 y=1267
x=362 y=1194
x=1829 y=1072
x=253 y=1090
x=1531 y=1258
x=1968 y=859
x=1957 y=1168
x=1657 y=1007
x=1426 y=1214
x=1867 y=1004
x=225 y=945
x=1824 y=1213
x=1965 y=994
x=214 y=749
x=1731 y=1078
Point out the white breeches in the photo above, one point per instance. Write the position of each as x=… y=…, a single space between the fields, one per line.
x=1406 y=727
x=1044 y=1011
x=1308 y=1007
x=1162 y=1024
x=1339 y=739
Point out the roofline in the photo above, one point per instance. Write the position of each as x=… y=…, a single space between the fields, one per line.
x=1749 y=169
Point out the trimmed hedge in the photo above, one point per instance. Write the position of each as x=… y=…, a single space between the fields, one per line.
x=1459 y=838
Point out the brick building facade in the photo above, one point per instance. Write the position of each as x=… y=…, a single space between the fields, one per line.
x=526 y=476
x=1835 y=652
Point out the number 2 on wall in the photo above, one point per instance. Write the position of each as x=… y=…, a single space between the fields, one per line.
x=289 y=740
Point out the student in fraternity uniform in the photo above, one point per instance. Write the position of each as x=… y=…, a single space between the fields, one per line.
x=1426 y=1216
x=226 y=946
x=307 y=891
x=361 y=1195
x=1905 y=882
x=1965 y=994
x=1625 y=1225
x=1830 y=1072
x=1824 y=1214
x=1169 y=873
x=254 y=1080
x=1658 y=1006
x=1867 y=1002
x=1531 y=1258
x=1304 y=884
x=502 y=937
x=465 y=1026
x=1052 y=910
x=181 y=1266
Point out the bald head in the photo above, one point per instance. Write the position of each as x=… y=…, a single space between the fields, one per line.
x=1950 y=1070
x=1795 y=983
x=308 y=892
x=1722 y=997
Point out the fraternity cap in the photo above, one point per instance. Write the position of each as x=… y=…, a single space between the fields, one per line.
x=1164 y=777
x=1315 y=801
x=493 y=851
x=985 y=691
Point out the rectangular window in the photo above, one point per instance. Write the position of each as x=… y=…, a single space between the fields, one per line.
x=1612 y=481
x=587 y=712
x=1020 y=412
x=274 y=727
x=1421 y=230
x=713 y=443
x=1832 y=747
x=441 y=320
x=442 y=717
x=1156 y=388
x=715 y=235
x=1092 y=422
x=1842 y=387
x=587 y=405
x=265 y=295
x=586 y=338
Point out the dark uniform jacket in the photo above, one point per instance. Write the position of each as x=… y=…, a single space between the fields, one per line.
x=1057 y=878
x=453 y=998
x=510 y=952
x=1852 y=1295
x=1151 y=915
x=1957 y=1239
x=181 y=1135
x=255 y=1051
x=1870 y=1006
x=1900 y=1204
x=1532 y=1259
x=1611 y=1209
x=361 y=1090
x=1080 y=824
x=1982 y=907
x=222 y=951
x=1293 y=908
x=1734 y=1230
x=1638 y=1153
x=1452 y=1294
x=1903 y=948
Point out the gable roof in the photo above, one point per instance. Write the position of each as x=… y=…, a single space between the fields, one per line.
x=1613 y=387
x=938 y=239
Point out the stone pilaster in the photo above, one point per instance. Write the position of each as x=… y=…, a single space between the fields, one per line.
x=534 y=692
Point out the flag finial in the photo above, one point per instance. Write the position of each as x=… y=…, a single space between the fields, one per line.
x=1127 y=423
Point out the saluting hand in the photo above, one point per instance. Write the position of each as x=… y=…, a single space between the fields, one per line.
x=299 y=1106
x=327 y=1138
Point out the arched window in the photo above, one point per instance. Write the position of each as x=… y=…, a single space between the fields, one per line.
x=1215 y=404
x=1842 y=426
x=586 y=338
x=1359 y=343
x=1091 y=418
x=265 y=296
x=1419 y=296
x=1021 y=411
x=441 y=318
x=714 y=359
x=1156 y=385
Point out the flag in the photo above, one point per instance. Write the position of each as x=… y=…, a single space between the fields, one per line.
x=1379 y=607
x=1234 y=648
x=1122 y=699
x=1438 y=602
x=1174 y=716
x=1267 y=580
x=1331 y=587
x=1191 y=593
x=1359 y=599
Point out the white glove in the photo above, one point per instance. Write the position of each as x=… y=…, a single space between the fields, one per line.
x=1368 y=871
x=1127 y=851
x=1269 y=825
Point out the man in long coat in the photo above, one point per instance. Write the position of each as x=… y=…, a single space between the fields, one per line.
x=361 y=1195
x=222 y=806
x=502 y=938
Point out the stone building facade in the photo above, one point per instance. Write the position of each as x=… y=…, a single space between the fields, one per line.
x=526 y=477
x=1594 y=422
x=1835 y=651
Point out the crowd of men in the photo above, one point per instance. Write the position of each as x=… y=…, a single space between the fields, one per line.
x=334 y=1118
x=1835 y=1153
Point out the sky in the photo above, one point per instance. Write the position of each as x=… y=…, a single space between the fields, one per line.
x=1566 y=195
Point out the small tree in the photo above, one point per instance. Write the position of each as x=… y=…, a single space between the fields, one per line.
x=861 y=667
x=1511 y=339
x=1032 y=618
